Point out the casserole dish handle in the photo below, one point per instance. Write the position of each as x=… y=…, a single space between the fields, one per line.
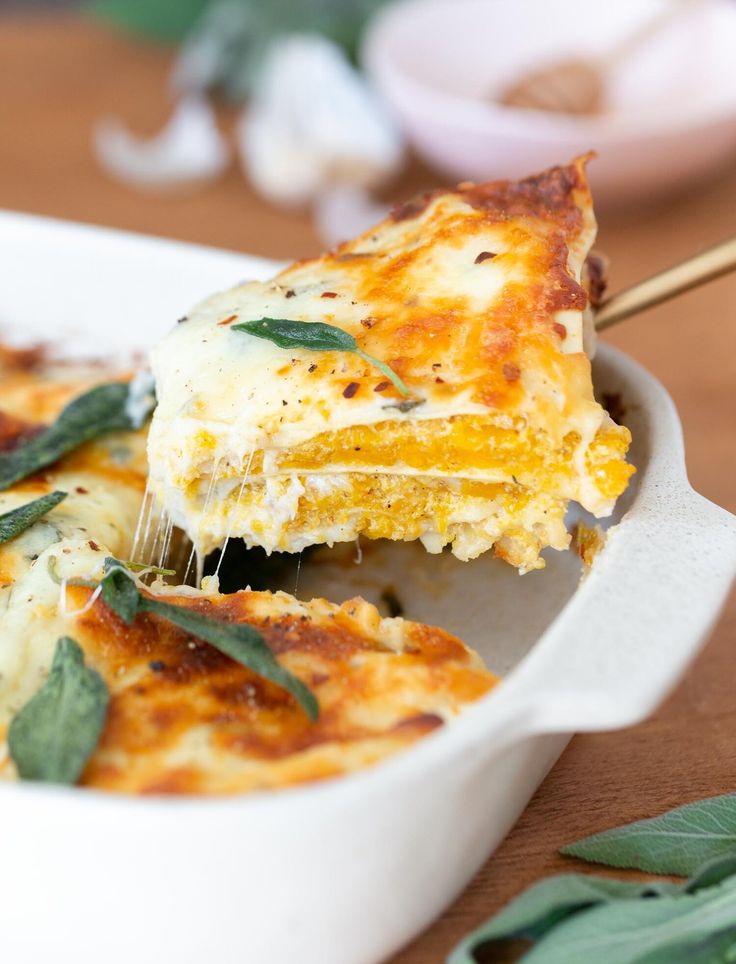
x=646 y=608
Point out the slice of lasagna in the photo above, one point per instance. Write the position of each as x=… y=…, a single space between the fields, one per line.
x=476 y=299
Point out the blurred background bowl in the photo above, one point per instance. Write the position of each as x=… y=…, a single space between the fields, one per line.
x=671 y=115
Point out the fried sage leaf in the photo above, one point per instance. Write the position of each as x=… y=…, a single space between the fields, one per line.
x=105 y=408
x=18 y=520
x=677 y=842
x=53 y=736
x=315 y=336
x=240 y=642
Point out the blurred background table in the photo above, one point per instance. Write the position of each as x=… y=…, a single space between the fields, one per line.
x=60 y=74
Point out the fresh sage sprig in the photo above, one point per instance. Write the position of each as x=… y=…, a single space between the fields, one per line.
x=105 y=408
x=315 y=336
x=240 y=642
x=576 y=918
x=18 y=520
x=665 y=930
x=676 y=842
x=53 y=736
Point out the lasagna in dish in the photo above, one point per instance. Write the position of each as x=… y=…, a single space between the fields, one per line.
x=181 y=716
x=104 y=480
x=476 y=301
x=184 y=718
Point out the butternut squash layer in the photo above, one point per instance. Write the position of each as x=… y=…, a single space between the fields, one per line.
x=470 y=516
x=465 y=446
x=465 y=481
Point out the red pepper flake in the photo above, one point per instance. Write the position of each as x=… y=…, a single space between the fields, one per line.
x=350 y=390
x=329 y=294
x=381 y=386
x=312 y=368
x=227 y=321
x=511 y=372
x=368 y=322
x=559 y=329
x=80 y=489
x=424 y=722
x=440 y=381
x=484 y=256
x=93 y=546
x=290 y=293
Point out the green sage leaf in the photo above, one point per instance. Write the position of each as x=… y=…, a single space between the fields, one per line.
x=711 y=873
x=544 y=905
x=18 y=520
x=239 y=641
x=718 y=948
x=53 y=736
x=143 y=567
x=656 y=931
x=102 y=409
x=677 y=842
x=314 y=336
x=120 y=592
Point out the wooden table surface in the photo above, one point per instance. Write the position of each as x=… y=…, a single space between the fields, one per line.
x=61 y=74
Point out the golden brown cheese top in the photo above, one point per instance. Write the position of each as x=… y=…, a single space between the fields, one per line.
x=472 y=296
x=374 y=697
x=184 y=718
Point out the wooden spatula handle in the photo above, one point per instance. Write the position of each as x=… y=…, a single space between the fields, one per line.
x=673 y=281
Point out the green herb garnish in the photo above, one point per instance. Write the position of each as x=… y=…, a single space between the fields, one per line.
x=577 y=918
x=673 y=843
x=154 y=570
x=240 y=642
x=18 y=520
x=546 y=904
x=53 y=736
x=103 y=409
x=315 y=336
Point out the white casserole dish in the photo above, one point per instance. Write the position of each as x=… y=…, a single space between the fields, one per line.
x=347 y=871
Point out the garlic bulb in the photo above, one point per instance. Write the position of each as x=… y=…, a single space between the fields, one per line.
x=314 y=122
x=189 y=149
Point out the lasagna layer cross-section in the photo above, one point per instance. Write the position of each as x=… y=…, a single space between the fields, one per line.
x=477 y=299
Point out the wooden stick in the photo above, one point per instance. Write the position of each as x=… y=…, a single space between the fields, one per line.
x=667 y=284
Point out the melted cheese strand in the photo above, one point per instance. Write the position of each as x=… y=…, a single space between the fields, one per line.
x=144 y=512
x=234 y=514
x=208 y=499
x=69 y=614
x=166 y=542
